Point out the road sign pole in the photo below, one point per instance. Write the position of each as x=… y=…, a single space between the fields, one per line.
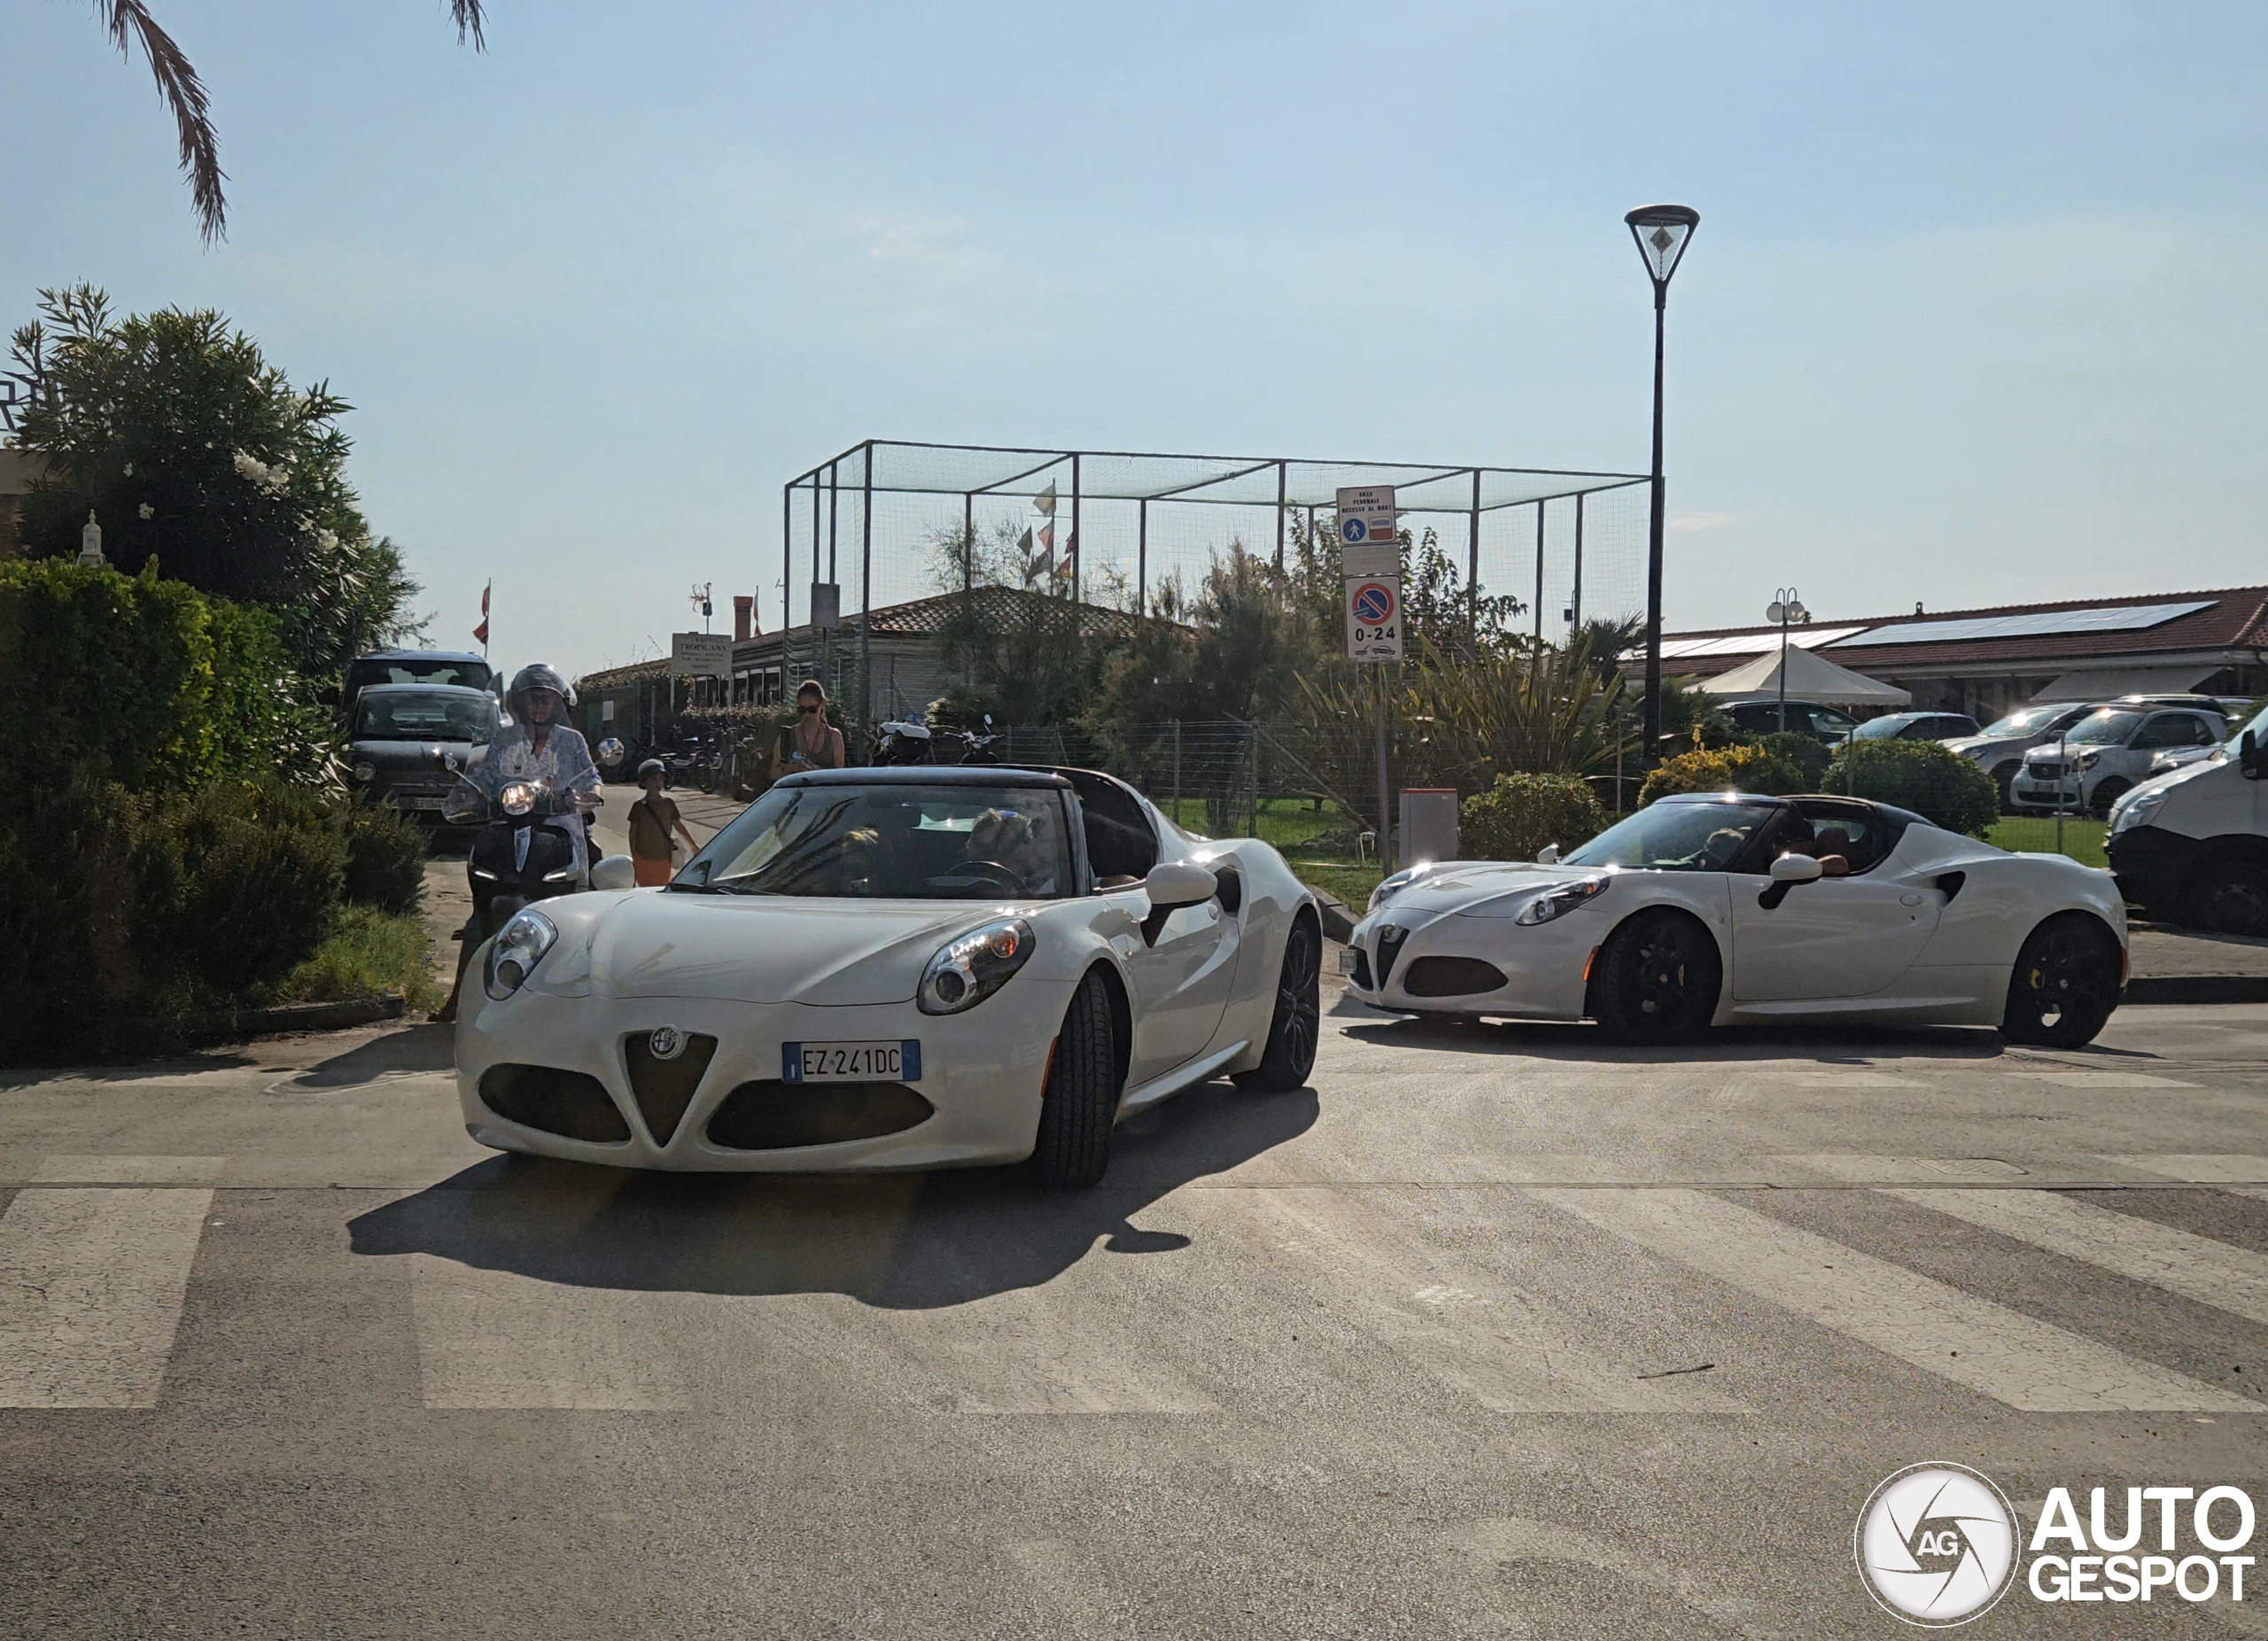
x=1386 y=823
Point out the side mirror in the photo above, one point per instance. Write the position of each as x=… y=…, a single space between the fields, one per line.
x=1174 y=883
x=612 y=753
x=614 y=872
x=2248 y=757
x=1548 y=855
x=1793 y=869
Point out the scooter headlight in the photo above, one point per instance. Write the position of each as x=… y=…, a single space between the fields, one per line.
x=518 y=947
x=1560 y=899
x=517 y=798
x=973 y=967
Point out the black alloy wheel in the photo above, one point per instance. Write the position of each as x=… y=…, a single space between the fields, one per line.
x=1297 y=1024
x=2230 y=898
x=1080 y=1102
x=1658 y=975
x=2065 y=985
x=2004 y=777
x=2109 y=793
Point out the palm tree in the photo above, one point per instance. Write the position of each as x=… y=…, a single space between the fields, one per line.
x=127 y=20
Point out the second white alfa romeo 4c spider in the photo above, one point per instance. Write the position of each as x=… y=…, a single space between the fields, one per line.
x=887 y=969
x=1709 y=909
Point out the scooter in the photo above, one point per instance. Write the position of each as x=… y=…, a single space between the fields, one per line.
x=899 y=743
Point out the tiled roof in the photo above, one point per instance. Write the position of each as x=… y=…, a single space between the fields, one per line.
x=2236 y=619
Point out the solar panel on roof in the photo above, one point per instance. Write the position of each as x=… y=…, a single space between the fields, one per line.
x=2037 y=624
x=1756 y=643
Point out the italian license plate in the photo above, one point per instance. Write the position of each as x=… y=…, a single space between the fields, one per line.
x=852 y=1063
x=422 y=803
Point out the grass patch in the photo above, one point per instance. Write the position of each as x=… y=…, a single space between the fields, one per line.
x=1351 y=885
x=368 y=955
x=2035 y=835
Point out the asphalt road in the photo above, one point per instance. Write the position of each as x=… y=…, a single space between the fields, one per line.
x=1486 y=1332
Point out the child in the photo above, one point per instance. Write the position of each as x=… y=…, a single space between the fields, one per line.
x=651 y=817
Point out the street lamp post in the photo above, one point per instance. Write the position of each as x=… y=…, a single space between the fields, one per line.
x=1785 y=608
x=1662 y=232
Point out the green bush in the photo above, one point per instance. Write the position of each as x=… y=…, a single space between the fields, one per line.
x=1808 y=753
x=121 y=911
x=368 y=955
x=1521 y=814
x=1733 y=768
x=385 y=859
x=1930 y=779
x=145 y=682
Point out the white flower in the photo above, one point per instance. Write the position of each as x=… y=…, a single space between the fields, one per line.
x=250 y=466
x=130 y=470
x=147 y=511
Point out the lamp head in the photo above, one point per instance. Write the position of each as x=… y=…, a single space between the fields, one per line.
x=1662 y=232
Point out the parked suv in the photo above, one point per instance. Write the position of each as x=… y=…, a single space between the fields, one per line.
x=1917 y=727
x=2109 y=751
x=1804 y=717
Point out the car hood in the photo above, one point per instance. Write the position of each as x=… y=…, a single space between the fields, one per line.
x=772 y=948
x=1465 y=886
x=396 y=755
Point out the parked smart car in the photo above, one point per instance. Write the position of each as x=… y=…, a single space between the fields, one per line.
x=1917 y=727
x=1999 y=748
x=2109 y=751
x=395 y=733
x=1803 y=717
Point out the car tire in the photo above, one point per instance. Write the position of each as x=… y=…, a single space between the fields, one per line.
x=2109 y=793
x=2004 y=776
x=1658 y=976
x=2230 y=898
x=1080 y=1102
x=1297 y=1023
x=2065 y=984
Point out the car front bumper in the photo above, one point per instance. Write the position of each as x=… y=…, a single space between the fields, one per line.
x=983 y=1072
x=1543 y=967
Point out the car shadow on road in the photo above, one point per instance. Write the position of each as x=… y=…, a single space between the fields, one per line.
x=415 y=1051
x=1830 y=1044
x=898 y=1241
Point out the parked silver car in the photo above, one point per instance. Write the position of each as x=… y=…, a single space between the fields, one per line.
x=2107 y=752
x=1999 y=748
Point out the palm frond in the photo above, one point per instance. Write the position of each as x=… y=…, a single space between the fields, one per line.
x=127 y=20
x=467 y=16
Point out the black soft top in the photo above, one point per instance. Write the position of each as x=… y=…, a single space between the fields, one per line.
x=930 y=774
x=1894 y=820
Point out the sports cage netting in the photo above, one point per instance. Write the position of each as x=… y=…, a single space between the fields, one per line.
x=886 y=523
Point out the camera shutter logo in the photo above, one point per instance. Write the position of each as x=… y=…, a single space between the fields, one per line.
x=1937 y=1544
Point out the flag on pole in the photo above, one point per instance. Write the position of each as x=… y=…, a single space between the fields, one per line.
x=1046 y=500
x=481 y=632
x=1035 y=562
x=1070 y=551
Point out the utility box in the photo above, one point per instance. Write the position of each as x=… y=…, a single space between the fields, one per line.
x=1429 y=825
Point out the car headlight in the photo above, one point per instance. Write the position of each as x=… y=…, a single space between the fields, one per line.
x=1560 y=899
x=1395 y=884
x=366 y=772
x=973 y=967
x=518 y=947
x=517 y=798
x=2088 y=760
x=2133 y=809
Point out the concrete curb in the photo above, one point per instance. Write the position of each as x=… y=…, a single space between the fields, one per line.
x=1338 y=922
x=2199 y=989
x=293 y=1018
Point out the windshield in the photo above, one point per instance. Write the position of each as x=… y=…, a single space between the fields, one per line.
x=1677 y=837
x=1881 y=728
x=422 y=717
x=892 y=842
x=417 y=670
x=2108 y=728
x=2024 y=722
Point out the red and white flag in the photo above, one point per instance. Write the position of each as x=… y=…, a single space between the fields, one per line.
x=481 y=632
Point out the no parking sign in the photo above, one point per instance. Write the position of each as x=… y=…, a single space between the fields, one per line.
x=1373 y=618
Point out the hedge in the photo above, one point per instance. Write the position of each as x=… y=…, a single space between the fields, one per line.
x=1517 y=816
x=1925 y=776
x=1726 y=769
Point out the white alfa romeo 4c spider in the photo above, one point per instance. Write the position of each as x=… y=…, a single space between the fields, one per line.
x=1710 y=909
x=892 y=968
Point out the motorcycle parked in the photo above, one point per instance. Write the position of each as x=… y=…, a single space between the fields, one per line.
x=908 y=742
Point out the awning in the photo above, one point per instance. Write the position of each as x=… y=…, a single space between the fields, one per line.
x=2108 y=683
x=1810 y=678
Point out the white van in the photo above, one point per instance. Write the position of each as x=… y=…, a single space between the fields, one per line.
x=2192 y=845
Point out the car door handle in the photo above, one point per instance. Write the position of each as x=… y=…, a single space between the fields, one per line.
x=1909 y=898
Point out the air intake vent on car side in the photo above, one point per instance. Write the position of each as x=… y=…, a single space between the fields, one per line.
x=1451 y=976
x=570 y=1104
x=773 y=1116
x=665 y=1087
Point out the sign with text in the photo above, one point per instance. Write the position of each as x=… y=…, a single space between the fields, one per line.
x=1373 y=618
x=1369 y=544
x=701 y=655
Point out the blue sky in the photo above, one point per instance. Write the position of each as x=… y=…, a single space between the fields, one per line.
x=1971 y=316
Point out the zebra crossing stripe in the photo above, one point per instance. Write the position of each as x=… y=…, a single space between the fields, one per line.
x=2200 y=1168
x=91 y=1288
x=2234 y=1279
x=1998 y=1352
